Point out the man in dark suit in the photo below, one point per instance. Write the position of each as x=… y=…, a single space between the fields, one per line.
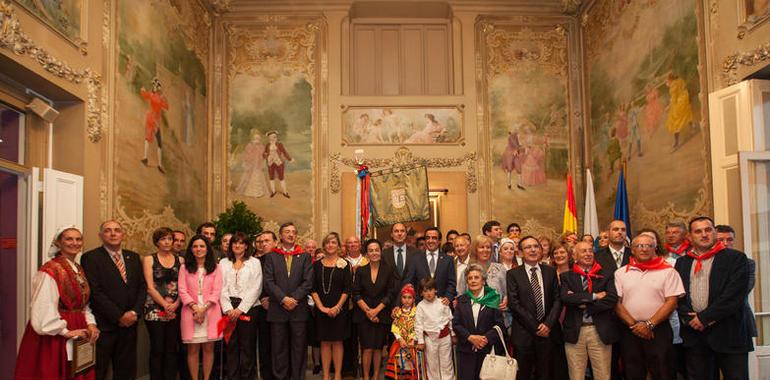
x=726 y=235
x=400 y=254
x=590 y=325
x=118 y=293
x=714 y=329
x=266 y=241
x=616 y=254
x=432 y=263
x=533 y=297
x=288 y=274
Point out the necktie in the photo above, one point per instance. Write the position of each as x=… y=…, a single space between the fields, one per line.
x=538 y=294
x=585 y=284
x=121 y=266
x=288 y=264
x=432 y=264
x=400 y=261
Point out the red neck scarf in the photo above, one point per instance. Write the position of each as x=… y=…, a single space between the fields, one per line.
x=654 y=264
x=679 y=251
x=591 y=273
x=295 y=251
x=718 y=247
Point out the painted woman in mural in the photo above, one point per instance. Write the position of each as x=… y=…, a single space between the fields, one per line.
x=276 y=156
x=679 y=108
x=512 y=157
x=157 y=104
x=253 y=182
x=431 y=133
x=533 y=165
x=652 y=110
x=360 y=127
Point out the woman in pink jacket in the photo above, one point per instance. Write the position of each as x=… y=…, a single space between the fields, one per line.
x=200 y=286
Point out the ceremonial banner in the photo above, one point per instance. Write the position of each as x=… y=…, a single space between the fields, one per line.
x=400 y=195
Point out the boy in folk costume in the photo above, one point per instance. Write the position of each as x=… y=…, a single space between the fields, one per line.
x=403 y=361
x=433 y=328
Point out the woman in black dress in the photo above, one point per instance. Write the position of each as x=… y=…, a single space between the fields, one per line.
x=373 y=292
x=331 y=288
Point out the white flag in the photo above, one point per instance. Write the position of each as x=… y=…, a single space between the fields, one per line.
x=591 y=220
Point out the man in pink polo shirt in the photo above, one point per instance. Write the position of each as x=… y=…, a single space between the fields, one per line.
x=649 y=289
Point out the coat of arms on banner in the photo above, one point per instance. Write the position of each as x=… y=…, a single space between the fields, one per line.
x=400 y=195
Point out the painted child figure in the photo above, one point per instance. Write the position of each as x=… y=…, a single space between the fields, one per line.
x=433 y=327
x=402 y=361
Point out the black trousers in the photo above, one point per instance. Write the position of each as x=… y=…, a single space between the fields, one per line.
x=242 y=349
x=469 y=365
x=655 y=355
x=537 y=358
x=289 y=349
x=703 y=363
x=263 y=333
x=119 y=348
x=164 y=349
x=350 y=355
x=679 y=369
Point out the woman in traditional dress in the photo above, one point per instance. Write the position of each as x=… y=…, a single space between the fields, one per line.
x=252 y=182
x=332 y=281
x=475 y=331
x=652 y=110
x=200 y=287
x=59 y=314
x=161 y=272
x=679 y=108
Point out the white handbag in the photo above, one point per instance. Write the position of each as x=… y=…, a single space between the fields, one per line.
x=499 y=367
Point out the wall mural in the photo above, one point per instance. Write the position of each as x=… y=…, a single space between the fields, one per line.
x=526 y=91
x=160 y=113
x=64 y=16
x=402 y=125
x=271 y=84
x=642 y=62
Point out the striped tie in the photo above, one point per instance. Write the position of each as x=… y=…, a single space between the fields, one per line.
x=538 y=294
x=120 y=265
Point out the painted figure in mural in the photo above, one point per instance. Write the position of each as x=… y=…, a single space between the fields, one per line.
x=276 y=156
x=679 y=108
x=431 y=133
x=633 y=122
x=512 y=157
x=393 y=130
x=157 y=103
x=188 y=130
x=360 y=127
x=621 y=125
x=613 y=151
x=253 y=182
x=652 y=110
x=533 y=165
x=372 y=135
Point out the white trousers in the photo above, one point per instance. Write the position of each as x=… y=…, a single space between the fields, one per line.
x=438 y=357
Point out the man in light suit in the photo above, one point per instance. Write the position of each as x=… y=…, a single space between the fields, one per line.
x=400 y=254
x=118 y=293
x=432 y=263
x=533 y=297
x=288 y=274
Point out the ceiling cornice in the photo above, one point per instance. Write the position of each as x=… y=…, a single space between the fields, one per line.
x=551 y=7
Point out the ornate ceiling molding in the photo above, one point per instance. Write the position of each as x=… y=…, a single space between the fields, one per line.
x=733 y=63
x=404 y=157
x=516 y=49
x=13 y=38
x=273 y=49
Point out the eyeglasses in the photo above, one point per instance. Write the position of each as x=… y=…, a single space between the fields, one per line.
x=644 y=246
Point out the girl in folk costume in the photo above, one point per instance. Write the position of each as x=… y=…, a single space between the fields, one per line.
x=59 y=313
x=403 y=361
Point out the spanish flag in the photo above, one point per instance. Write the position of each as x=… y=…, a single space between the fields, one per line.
x=570 y=210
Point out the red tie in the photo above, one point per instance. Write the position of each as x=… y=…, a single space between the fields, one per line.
x=120 y=265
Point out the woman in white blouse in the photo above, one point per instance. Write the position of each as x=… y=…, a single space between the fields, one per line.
x=241 y=285
x=59 y=313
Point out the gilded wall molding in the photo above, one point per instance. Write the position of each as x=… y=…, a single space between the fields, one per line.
x=139 y=229
x=403 y=157
x=735 y=62
x=13 y=38
x=548 y=50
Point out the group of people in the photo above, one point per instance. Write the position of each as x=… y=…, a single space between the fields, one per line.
x=610 y=307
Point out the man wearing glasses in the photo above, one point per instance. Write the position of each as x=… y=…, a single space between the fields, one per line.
x=648 y=290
